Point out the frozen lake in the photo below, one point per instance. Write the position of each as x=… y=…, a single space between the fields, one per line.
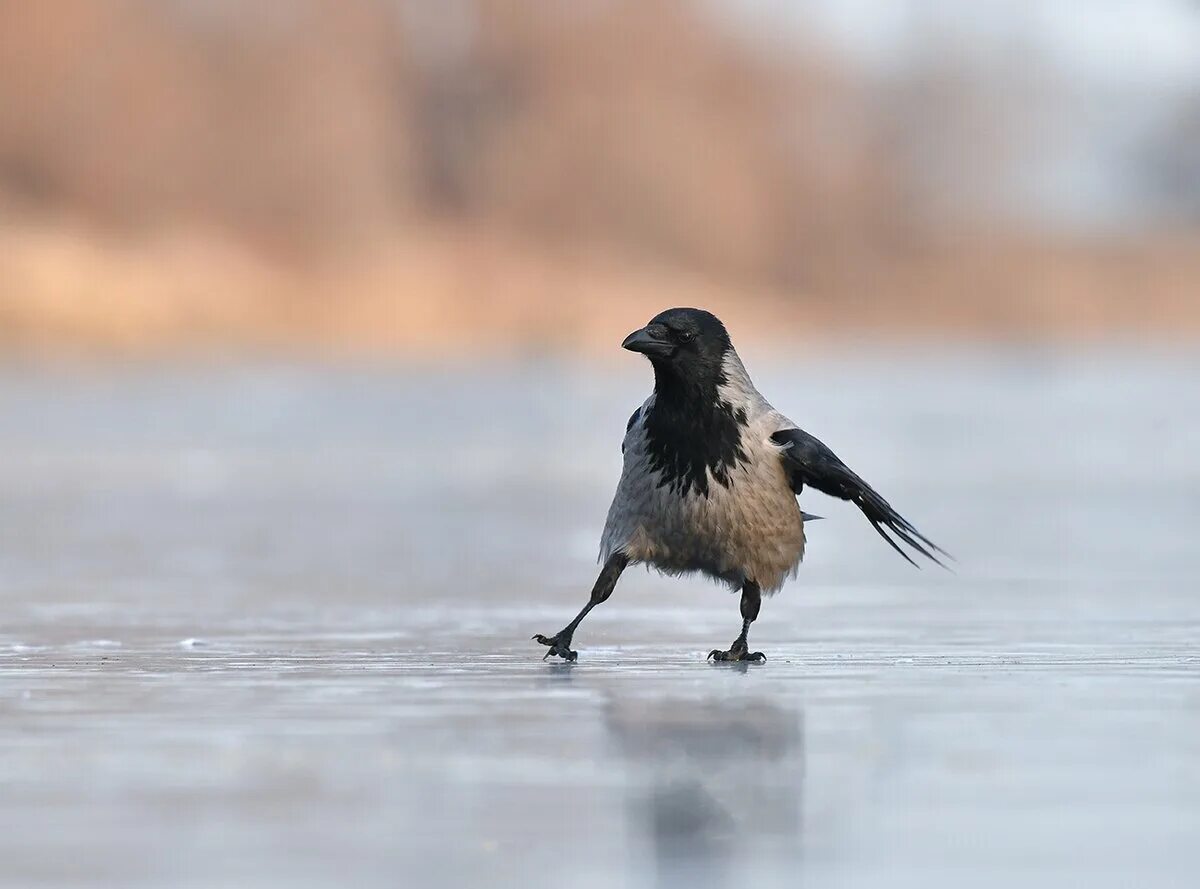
x=269 y=626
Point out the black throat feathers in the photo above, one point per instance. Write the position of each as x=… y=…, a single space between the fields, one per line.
x=691 y=431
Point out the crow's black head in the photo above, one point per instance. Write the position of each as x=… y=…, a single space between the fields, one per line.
x=692 y=433
x=686 y=343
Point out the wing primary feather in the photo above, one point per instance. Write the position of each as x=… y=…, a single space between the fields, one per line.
x=812 y=463
x=899 y=525
x=879 y=530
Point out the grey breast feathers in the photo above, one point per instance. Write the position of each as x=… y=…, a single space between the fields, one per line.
x=743 y=523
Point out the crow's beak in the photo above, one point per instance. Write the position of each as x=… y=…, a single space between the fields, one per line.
x=649 y=342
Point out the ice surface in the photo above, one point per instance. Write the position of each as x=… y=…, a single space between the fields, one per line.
x=270 y=627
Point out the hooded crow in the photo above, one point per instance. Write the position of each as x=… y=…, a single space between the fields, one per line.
x=710 y=478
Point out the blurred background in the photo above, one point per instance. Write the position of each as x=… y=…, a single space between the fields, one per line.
x=311 y=400
x=397 y=177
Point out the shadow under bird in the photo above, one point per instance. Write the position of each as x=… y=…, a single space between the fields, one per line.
x=710 y=478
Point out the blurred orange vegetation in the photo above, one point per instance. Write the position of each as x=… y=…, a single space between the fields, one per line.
x=431 y=176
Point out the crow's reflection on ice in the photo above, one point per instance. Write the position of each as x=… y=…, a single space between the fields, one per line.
x=715 y=787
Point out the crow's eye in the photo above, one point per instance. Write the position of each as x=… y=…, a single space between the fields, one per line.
x=686 y=336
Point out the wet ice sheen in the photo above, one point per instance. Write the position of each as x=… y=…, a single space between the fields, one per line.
x=243 y=642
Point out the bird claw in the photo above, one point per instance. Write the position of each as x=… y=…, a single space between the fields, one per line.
x=736 y=655
x=558 y=646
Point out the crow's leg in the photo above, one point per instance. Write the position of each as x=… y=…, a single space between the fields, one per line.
x=560 y=643
x=739 y=650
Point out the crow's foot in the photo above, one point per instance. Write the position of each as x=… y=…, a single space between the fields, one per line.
x=738 y=652
x=559 y=645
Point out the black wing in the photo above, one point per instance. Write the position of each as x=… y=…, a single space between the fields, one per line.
x=809 y=462
x=633 y=418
